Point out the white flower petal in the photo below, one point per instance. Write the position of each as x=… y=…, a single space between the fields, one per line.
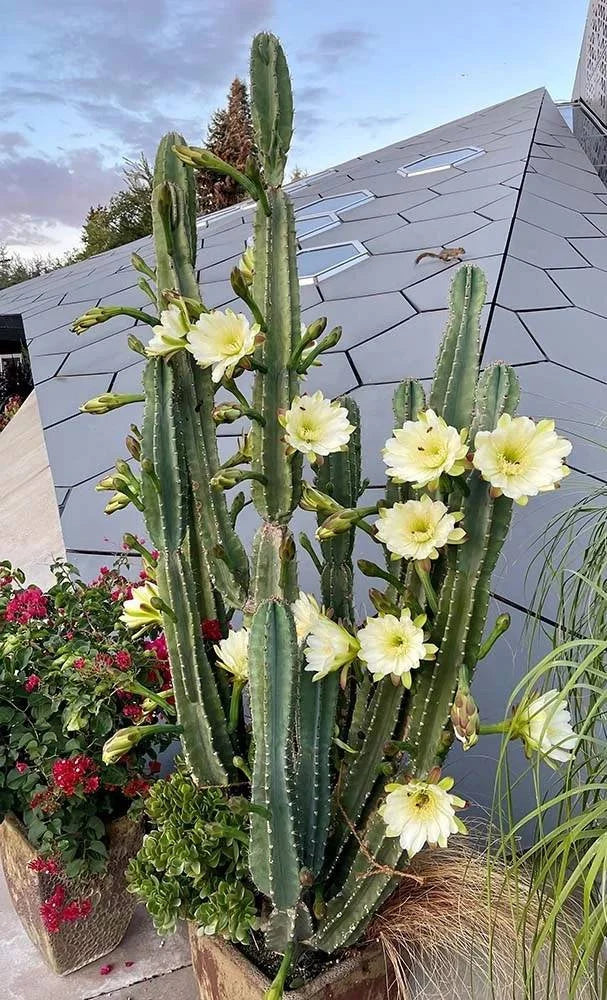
x=233 y=653
x=316 y=426
x=421 y=450
x=220 y=340
x=416 y=529
x=521 y=458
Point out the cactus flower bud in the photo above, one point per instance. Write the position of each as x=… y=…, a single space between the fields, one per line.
x=225 y=479
x=121 y=743
x=90 y=318
x=227 y=413
x=110 y=401
x=464 y=714
x=246 y=265
x=315 y=500
x=342 y=520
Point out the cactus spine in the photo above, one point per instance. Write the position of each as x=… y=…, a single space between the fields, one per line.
x=320 y=750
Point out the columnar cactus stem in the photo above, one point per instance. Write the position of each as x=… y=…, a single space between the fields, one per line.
x=320 y=749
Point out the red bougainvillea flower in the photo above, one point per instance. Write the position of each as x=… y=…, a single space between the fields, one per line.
x=21 y=767
x=80 y=663
x=136 y=786
x=122 y=659
x=133 y=712
x=44 y=800
x=211 y=629
x=158 y=646
x=75 y=774
x=47 y=865
x=79 y=909
x=25 y=605
x=105 y=970
x=32 y=683
x=103 y=661
x=50 y=910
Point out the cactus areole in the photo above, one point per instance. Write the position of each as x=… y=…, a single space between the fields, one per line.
x=337 y=741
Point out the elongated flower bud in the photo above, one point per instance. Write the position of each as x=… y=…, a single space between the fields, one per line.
x=110 y=401
x=315 y=500
x=121 y=743
x=464 y=714
x=227 y=413
x=342 y=520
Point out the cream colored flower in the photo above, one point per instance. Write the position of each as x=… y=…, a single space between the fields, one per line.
x=521 y=458
x=316 y=426
x=169 y=335
x=306 y=612
x=394 y=646
x=221 y=340
x=138 y=609
x=421 y=450
x=421 y=813
x=544 y=725
x=417 y=529
x=329 y=647
x=233 y=654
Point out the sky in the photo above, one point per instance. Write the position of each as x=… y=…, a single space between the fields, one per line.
x=84 y=84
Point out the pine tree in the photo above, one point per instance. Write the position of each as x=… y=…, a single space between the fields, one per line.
x=230 y=136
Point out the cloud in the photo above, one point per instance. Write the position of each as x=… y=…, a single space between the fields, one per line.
x=11 y=141
x=38 y=192
x=329 y=49
x=106 y=84
x=133 y=69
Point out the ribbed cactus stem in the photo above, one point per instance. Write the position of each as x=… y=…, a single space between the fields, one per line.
x=273 y=668
x=276 y=291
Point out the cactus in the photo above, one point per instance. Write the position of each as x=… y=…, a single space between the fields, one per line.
x=316 y=751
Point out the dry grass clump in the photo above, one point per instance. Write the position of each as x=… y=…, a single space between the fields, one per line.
x=464 y=931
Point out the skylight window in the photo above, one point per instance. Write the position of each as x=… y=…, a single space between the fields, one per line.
x=315 y=224
x=334 y=203
x=439 y=161
x=322 y=262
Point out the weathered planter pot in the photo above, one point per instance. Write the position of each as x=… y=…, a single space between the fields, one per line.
x=223 y=973
x=83 y=941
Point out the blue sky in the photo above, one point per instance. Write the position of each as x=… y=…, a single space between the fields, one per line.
x=82 y=85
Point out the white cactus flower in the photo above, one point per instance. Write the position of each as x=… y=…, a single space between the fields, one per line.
x=169 y=335
x=306 y=612
x=233 y=654
x=329 y=647
x=417 y=529
x=421 y=813
x=316 y=426
x=138 y=611
x=421 y=450
x=521 y=458
x=219 y=340
x=394 y=646
x=543 y=723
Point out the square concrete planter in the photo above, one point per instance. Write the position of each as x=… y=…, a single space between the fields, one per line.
x=74 y=944
x=223 y=973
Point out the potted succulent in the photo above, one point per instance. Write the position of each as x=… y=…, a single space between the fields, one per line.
x=70 y=673
x=324 y=737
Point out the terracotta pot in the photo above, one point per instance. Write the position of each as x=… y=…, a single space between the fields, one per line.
x=83 y=941
x=223 y=973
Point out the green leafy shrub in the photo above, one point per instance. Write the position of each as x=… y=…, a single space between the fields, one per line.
x=194 y=864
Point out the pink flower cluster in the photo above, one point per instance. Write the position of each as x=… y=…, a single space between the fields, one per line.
x=32 y=683
x=76 y=774
x=25 y=605
x=55 y=911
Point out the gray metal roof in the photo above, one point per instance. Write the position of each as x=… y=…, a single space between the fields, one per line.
x=531 y=211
